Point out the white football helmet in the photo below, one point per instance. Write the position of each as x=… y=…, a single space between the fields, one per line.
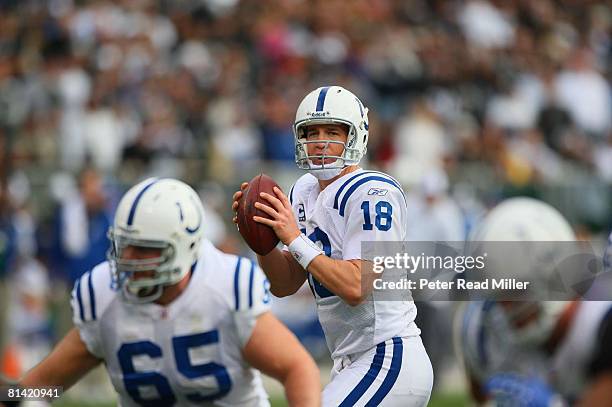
x=331 y=105
x=527 y=219
x=164 y=214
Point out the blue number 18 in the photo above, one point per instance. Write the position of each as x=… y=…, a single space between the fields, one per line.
x=383 y=220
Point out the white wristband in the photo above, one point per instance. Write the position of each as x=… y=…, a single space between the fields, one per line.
x=304 y=250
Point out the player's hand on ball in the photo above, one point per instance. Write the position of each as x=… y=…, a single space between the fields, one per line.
x=235 y=198
x=279 y=209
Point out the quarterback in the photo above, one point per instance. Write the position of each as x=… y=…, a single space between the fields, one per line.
x=174 y=320
x=378 y=355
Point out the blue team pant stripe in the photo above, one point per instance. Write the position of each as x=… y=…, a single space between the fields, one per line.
x=321 y=98
x=92 y=297
x=136 y=200
x=361 y=182
x=77 y=289
x=368 y=379
x=251 y=276
x=392 y=374
x=237 y=284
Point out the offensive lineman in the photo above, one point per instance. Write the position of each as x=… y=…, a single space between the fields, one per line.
x=176 y=321
x=538 y=353
x=378 y=355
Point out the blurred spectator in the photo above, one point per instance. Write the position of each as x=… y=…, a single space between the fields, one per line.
x=29 y=323
x=485 y=25
x=421 y=144
x=276 y=127
x=602 y=158
x=84 y=220
x=433 y=215
x=585 y=93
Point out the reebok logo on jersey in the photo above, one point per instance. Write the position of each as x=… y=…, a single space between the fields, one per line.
x=378 y=191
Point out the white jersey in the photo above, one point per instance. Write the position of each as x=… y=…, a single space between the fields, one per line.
x=187 y=353
x=359 y=206
x=487 y=348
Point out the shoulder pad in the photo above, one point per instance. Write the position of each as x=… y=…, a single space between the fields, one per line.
x=92 y=293
x=374 y=183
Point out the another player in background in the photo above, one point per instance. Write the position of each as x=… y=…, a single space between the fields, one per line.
x=378 y=355
x=176 y=321
x=538 y=353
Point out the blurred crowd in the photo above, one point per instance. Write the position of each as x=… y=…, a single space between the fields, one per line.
x=470 y=101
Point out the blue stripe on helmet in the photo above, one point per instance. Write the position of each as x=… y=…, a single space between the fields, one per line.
x=136 y=200
x=321 y=99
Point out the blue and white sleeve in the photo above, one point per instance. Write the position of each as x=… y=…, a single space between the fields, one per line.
x=85 y=313
x=374 y=212
x=251 y=297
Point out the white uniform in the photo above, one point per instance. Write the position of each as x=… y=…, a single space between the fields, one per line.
x=378 y=354
x=187 y=353
x=487 y=347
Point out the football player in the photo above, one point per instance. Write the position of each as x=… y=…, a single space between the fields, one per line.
x=174 y=320
x=378 y=355
x=538 y=353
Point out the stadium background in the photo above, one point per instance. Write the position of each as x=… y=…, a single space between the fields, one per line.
x=470 y=102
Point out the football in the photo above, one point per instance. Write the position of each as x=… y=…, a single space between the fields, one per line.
x=260 y=238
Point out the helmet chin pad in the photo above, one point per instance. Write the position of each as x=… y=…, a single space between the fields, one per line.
x=326 y=174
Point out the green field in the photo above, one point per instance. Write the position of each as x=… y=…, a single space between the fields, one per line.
x=438 y=400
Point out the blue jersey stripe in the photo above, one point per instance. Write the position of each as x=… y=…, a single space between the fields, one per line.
x=251 y=276
x=337 y=197
x=237 y=284
x=321 y=98
x=348 y=181
x=368 y=379
x=361 y=182
x=392 y=374
x=77 y=288
x=136 y=200
x=291 y=195
x=92 y=297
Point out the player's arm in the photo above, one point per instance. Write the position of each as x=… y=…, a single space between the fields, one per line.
x=66 y=364
x=275 y=351
x=285 y=274
x=342 y=277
